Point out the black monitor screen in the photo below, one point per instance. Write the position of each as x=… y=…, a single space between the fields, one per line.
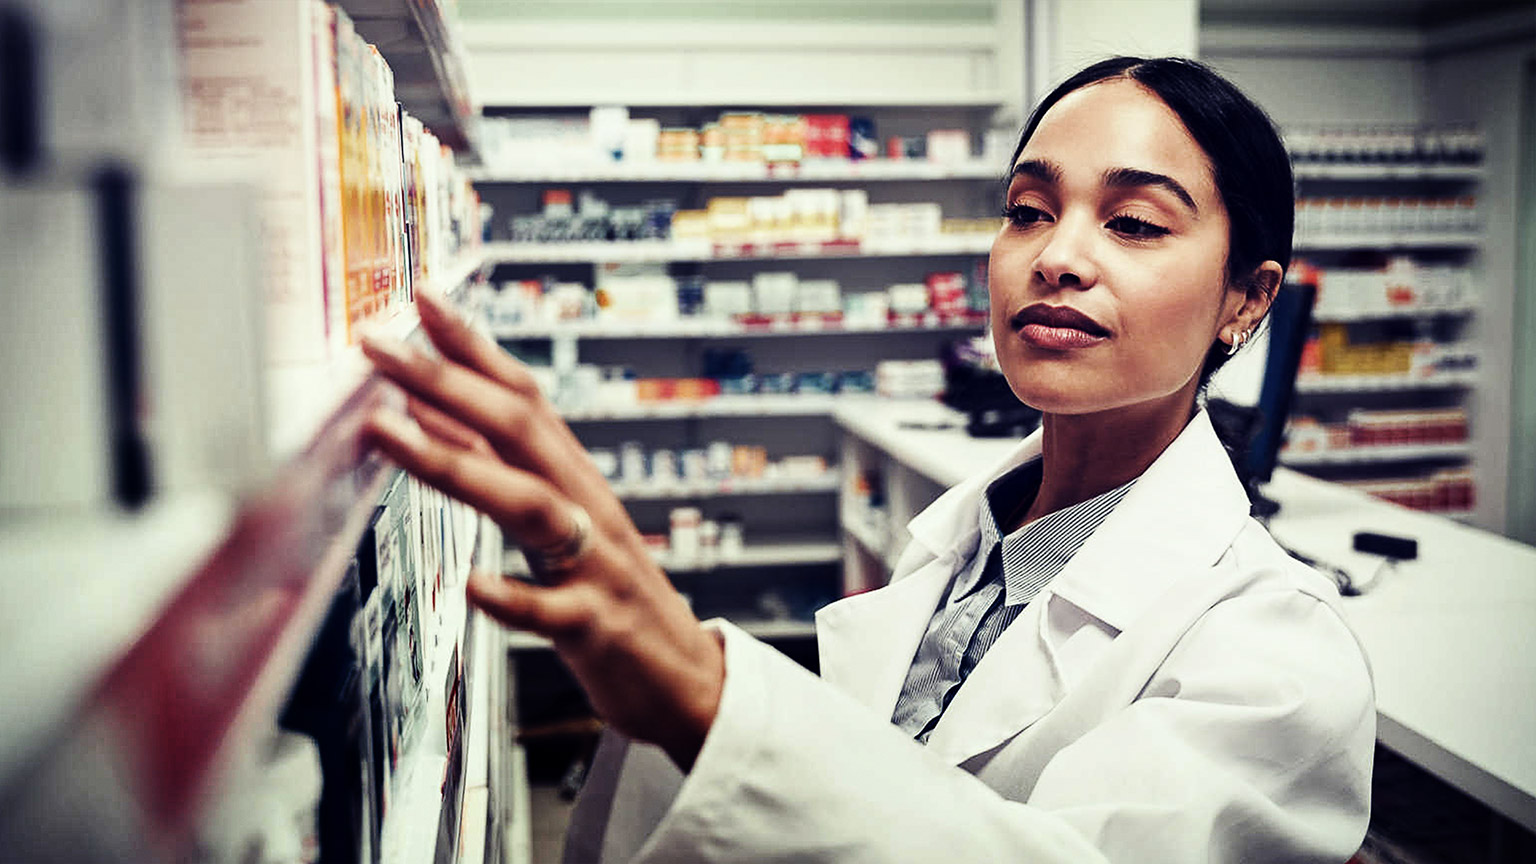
x=1290 y=319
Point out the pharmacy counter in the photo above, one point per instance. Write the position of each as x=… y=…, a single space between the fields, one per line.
x=1451 y=636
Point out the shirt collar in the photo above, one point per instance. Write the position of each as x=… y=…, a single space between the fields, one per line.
x=1035 y=552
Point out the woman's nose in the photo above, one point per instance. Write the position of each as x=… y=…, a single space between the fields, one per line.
x=1066 y=260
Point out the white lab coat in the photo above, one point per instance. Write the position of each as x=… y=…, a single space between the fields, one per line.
x=1181 y=691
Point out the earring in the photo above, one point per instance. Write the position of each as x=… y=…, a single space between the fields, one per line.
x=1237 y=342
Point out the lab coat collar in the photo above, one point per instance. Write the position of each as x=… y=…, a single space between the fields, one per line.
x=953 y=521
x=1182 y=514
x=867 y=641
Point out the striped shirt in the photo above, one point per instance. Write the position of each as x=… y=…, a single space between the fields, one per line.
x=990 y=591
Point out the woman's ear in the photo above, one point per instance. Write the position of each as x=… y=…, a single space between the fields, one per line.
x=1257 y=291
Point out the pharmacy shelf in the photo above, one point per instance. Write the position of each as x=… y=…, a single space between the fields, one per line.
x=831 y=171
x=420 y=42
x=1333 y=171
x=1420 y=311
x=1390 y=240
x=1380 y=453
x=730 y=487
x=410 y=826
x=718 y=328
x=662 y=251
x=233 y=586
x=752 y=555
x=773 y=405
x=894 y=95
x=305 y=398
x=787 y=628
x=92 y=585
x=756 y=555
x=210 y=653
x=868 y=541
x=1314 y=383
x=410 y=830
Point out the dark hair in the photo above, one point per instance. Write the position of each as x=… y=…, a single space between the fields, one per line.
x=1251 y=169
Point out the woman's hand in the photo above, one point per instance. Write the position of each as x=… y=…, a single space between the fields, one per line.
x=485 y=435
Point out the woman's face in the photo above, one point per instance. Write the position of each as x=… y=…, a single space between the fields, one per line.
x=1108 y=278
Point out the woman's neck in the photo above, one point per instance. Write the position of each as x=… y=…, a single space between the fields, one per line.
x=1084 y=455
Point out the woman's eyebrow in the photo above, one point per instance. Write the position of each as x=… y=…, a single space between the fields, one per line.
x=1039 y=169
x=1122 y=178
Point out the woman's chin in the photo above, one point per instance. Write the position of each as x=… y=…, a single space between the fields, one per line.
x=1052 y=400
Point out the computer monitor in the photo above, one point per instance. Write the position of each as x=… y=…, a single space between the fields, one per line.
x=1290 y=321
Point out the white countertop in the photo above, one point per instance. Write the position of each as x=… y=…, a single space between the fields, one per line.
x=924 y=435
x=1451 y=636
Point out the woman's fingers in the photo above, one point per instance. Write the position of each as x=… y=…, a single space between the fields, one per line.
x=470 y=398
x=503 y=417
x=459 y=342
x=526 y=506
x=455 y=339
x=440 y=425
x=526 y=606
x=523 y=431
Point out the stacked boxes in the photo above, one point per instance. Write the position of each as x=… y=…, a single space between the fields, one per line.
x=360 y=202
x=1345 y=215
x=610 y=135
x=799 y=216
x=418 y=548
x=1366 y=429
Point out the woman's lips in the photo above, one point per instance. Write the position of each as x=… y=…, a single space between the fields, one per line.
x=1058 y=338
x=1058 y=328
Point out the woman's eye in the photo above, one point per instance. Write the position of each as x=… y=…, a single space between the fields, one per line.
x=1023 y=214
x=1130 y=226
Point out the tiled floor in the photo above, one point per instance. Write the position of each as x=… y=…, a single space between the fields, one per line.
x=548 y=815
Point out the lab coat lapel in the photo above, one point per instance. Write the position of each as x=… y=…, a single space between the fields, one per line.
x=867 y=641
x=1139 y=551
x=1180 y=517
x=1014 y=685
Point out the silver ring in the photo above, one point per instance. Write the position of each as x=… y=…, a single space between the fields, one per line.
x=559 y=558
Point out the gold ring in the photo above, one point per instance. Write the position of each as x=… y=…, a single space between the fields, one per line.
x=560 y=557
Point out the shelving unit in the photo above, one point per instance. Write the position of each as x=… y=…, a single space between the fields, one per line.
x=666 y=251
x=420 y=41
x=156 y=651
x=785 y=405
x=767 y=630
x=737 y=486
x=1405 y=241
x=910 y=79
x=867 y=541
x=1314 y=383
x=241 y=584
x=1346 y=171
x=1378 y=454
x=1416 y=311
x=873 y=170
x=410 y=830
x=757 y=555
x=675 y=347
x=1442 y=313
x=907 y=451
x=305 y=398
x=710 y=328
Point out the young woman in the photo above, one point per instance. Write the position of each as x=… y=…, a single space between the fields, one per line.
x=1089 y=653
